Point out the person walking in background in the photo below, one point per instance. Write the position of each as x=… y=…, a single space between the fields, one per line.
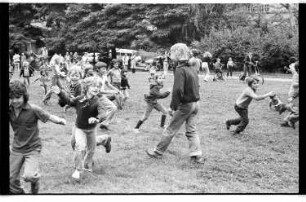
x=229 y=65
x=44 y=79
x=242 y=105
x=16 y=62
x=166 y=63
x=125 y=61
x=205 y=65
x=218 y=69
x=248 y=65
x=184 y=103
x=194 y=61
x=133 y=63
x=124 y=85
x=151 y=102
x=26 y=72
x=26 y=147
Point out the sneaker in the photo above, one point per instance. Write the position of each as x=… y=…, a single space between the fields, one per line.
x=284 y=124
x=88 y=169
x=105 y=127
x=197 y=159
x=153 y=154
x=136 y=130
x=35 y=187
x=235 y=133
x=228 y=125
x=108 y=146
x=291 y=124
x=76 y=175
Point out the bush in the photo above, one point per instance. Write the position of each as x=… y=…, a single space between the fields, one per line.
x=273 y=48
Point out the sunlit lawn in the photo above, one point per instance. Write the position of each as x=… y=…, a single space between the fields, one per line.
x=264 y=160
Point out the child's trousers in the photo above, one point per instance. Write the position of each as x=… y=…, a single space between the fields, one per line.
x=30 y=160
x=242 y=121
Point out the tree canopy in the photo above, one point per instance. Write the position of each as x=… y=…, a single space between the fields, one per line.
x=223 y=29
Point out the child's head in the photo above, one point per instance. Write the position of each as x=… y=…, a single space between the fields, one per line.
x=43 y=72
x=116 y=63
x=25 y=64
x=159 y=79
x=92 y=84
x=230 y=59
x=101 y=67
x=124 y=72
x=75 y=73
x=292 y=60
x=252 y=82
x=18 y=94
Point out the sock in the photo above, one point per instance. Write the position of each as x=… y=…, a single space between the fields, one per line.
x=139 y=124
x=163 y=120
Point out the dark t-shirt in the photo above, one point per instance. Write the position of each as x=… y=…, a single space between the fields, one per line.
x=25 y=127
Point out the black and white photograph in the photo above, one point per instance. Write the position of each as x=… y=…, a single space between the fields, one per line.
x=153 y=98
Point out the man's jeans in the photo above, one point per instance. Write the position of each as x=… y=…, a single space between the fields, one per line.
x=185 y=113
x=242 y=121
x=85 y=145
x=31 y=173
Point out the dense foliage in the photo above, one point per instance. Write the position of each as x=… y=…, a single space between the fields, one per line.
x=225 y=30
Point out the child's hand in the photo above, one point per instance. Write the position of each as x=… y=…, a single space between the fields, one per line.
x=92 y=120
x=272 y=94
x=62 y=121
x=56 y=90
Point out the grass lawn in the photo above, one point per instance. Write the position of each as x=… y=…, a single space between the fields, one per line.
x=264 y=160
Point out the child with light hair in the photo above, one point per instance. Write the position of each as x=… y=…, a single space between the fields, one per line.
x=26 y=72
x=90 y=112
x=74 y=77
x=151 y=100
x=243 y=102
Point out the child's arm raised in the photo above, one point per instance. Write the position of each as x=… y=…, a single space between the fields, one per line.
x=256 y=97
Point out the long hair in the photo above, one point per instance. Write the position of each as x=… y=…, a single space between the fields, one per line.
x=18 y=89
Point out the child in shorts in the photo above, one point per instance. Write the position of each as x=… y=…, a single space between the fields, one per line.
x=90 y=112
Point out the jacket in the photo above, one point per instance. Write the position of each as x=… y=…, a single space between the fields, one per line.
x=186 y=86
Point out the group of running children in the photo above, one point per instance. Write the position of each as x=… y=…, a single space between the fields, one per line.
x=89 y=90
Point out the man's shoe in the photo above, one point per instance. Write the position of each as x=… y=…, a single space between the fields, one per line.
x=136 y=130
x=198 y=159
x=35 y=187
x=153 y=154
x=108 y=146
x=228 y=125
x=76 y=175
